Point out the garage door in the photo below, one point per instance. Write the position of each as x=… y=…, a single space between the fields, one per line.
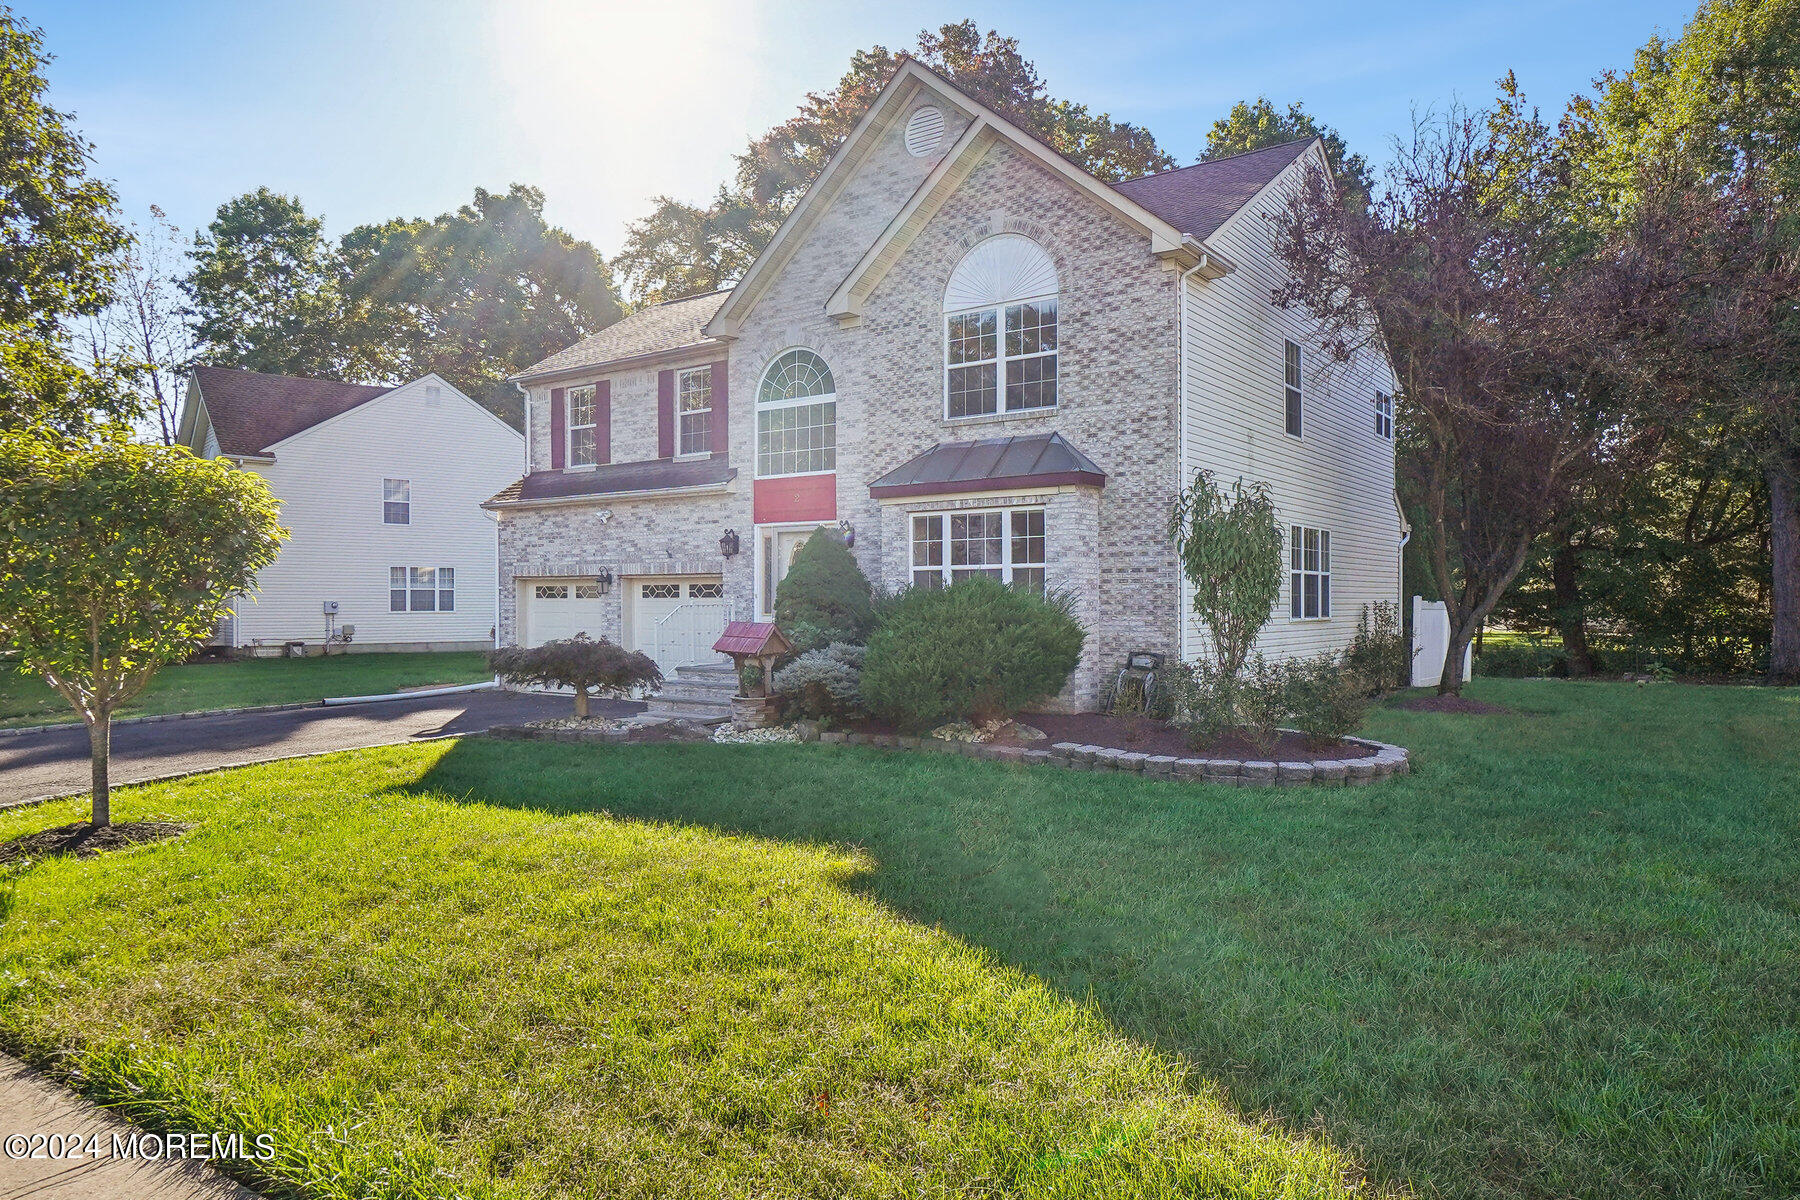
x=557 y=609
x=676 y=622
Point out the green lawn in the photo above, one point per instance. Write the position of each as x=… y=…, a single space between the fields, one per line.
x=1559 y=960
x=197 y=686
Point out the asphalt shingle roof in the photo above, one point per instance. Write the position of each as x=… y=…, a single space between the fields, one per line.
x=672 y=325
x=1199 y=199
x=609 y=479
x=251 y=411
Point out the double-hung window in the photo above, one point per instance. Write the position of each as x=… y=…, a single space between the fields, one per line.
x=1003 y=544
x=1291 y=387
x=1001 y=359
x=396 y=501
x=421 y=589
x=1384 y=415
x=693 y=403
x=796 y=417
x=1309 y=573
x=581 y=406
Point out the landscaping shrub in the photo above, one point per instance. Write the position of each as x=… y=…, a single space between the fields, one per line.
x=579 y=662
x=974 y=651
x=824 y=684
x=1378 y=651
x=1319 y=696
x=1325 y=698
x=824 y=597
x=1521 y=658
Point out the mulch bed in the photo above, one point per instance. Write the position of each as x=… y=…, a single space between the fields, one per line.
x=1452 y=704
x=84 y=841
x=1147 y=736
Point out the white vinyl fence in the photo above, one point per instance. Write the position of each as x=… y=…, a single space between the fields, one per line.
x=1431 y=641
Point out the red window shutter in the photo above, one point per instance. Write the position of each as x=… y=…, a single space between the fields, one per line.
x=721 y=411
x=665 y=414
x=559 y=430
x=603 y=421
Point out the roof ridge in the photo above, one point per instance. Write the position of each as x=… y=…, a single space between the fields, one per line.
x=1207 y=162
x=690 y=296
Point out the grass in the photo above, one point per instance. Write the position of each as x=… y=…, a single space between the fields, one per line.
x=1557 y=961
x=198 y=686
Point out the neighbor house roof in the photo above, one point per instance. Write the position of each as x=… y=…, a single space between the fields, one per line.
x=1199 y=199
x=671 y=325
x=617 y=479
x=1040 y=460
x=251 y=411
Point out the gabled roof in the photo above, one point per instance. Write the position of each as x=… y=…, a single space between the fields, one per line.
x=251 y=411
x=660 y=328
x=1198 y=200
x=1039 y=460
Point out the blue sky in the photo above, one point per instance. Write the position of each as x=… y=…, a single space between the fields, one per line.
x=369 y=111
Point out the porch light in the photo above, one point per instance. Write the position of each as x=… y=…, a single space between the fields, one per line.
x=604 y=580
x=848 y=530
x=728 y=544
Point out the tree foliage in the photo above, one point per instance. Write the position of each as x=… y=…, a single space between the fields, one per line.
x=824 y=597
x=139 y=343
x=1230 y=547
x=680 y=249
x=586 y=664
x=1258 y=124
x=117 y=557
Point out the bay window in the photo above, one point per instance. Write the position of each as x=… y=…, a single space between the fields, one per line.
x=1003 y=544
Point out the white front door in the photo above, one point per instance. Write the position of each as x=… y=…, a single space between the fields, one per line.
x=676 y=621
x=561 y=608
x=779 y=546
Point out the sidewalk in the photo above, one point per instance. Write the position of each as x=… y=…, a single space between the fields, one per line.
x=31 y=1104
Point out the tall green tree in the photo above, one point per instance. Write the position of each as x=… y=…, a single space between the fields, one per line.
x=473 y=295
x=682 y=248
x=115 y=558
x=1253 y=125
x=263 y=293
x=58 y=237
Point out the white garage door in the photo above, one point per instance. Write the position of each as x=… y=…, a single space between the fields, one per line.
x=561 y=608
x=676 y=622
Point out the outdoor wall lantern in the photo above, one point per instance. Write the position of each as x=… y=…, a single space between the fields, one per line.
x=604 y=580
x=728 y=544
x=849 y=532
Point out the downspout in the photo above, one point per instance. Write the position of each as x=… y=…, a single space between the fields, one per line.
x=526 y=392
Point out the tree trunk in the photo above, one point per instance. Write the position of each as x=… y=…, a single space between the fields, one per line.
x=100 y=740
x=1784 y=592
x=1571 y=622
x=581 y=704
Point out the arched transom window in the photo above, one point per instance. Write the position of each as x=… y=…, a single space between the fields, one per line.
x=1000 y=343
x=796 y=417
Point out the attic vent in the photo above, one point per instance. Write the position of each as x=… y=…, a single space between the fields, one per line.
x=924 y=130
x=434 y=395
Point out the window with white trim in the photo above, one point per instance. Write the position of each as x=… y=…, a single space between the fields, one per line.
x=1291 y=388
x=1309 y=573
x=1000 y=330
x=693 y=406
x=582 y=410
x=422 y=589
x=1384 y=415
x=796 y=417
x=546 y=591
x=396 y=501
x=1006 y=544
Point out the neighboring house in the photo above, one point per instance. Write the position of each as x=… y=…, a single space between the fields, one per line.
x=380 y=491
x=971 y=357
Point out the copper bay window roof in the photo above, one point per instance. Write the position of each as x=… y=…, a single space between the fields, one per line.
x=992 y=464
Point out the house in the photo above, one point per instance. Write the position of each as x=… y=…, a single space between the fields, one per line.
x=969 y=356
x=380 y=491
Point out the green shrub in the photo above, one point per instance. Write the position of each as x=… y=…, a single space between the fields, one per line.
x=824 y=683
x=1319 y=696
x=1262 y=701
x=579 y=662
x=1378 y=651
x=973 y=651
x=1521 y=658
x=1325 y=698
x=824 y=597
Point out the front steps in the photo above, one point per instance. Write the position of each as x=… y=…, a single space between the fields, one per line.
x=701 y=694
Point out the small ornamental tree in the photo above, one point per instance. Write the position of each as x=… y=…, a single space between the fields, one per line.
x=1230 y=549
x=824 y=597
x=116 y=558
x=579 y=662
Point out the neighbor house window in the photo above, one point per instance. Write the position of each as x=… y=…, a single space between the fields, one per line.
x=1291 y=375
x=1003 y=544
x=1309 y=573
x=581 y=426
x=396 y=501
x=421 y=589
x=1384 y=415
x=1000 y=330
x=796 y=417
x=693 y=400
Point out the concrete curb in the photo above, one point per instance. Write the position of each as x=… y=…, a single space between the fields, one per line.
x=329 y=701
x=456 y=690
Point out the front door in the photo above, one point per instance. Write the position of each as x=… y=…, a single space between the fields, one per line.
x=779 y=548
x=676 y=621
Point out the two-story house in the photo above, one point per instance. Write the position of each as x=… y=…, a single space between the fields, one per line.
x=380 y=491
x=970 y=356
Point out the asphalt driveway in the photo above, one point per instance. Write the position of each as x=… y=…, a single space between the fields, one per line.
x=56 y=761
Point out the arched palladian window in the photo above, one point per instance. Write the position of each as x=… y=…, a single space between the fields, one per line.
x=796 y=417
x=1000 y=329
